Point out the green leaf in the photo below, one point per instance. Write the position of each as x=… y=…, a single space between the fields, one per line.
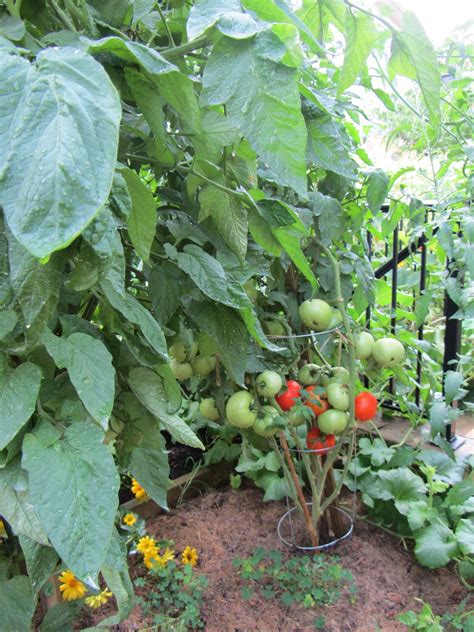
x=227 y=330
x=377 y=450
x=132 y=310
x=63 y=116
x=12 y=28
x=361 y=35
x=90 y=369
x=330 y=214
x=166 y=286
x=65 y=474
x=291 y=242
x=419 y=513
x=117 y=578
x=262 y=234
x=326 y=147
x=447 y=469
x=228 y=215
x=465 y=535
x=205 y=13
x=435 y=546
x=262 y=101
x=19 y=389
x=142 y=220
x=15 y=503
x=149 y=389
x=60 y=617
x=149 y=462
x=403 y=486
x=414 y=42
x=40 y=561
x=35 y=285
x=377 y=189
x=452 y=385
x=17 y=604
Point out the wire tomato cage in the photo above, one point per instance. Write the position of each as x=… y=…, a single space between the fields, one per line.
x=336 y=524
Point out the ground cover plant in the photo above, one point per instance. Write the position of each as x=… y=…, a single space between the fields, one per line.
x=167 y=218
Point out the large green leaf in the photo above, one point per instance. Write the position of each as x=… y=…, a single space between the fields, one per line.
x=74 y=487
x=377 y=189
x=149 y=462
x=132 y=310
x=262 y=100
x=361 y=35
x=227 y=330
x=465 y=535
x=205 y=13
x=60 y=133
x=403 y=486
x=35 y=285
x=19 y=389
x=414 y=42
x=165 y=288
x=435 y=545
x=330 y=216
x=8 y=321
x=15 y=503
x=142 y=220
x=117 y=578
x=228 y=215
x=90 y=369
x=148 y=388
x=17 y=604
x=40 y=561
x=326 y=147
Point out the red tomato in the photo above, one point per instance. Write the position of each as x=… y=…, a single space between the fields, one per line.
x=315 y=441
x=288 y=398
x=365 y=406
x=317 y=403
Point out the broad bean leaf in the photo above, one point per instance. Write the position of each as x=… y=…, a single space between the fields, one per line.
x=142 y=220
x=19 y=389
x=60 y=134
x=65 y=474
x=15 y=503
x=17 y=603
x=40 y=561
x=435 y=545
x=262 y=101
x=361 y=36
x=90 y=369
x=132 y=310
x=149 y=390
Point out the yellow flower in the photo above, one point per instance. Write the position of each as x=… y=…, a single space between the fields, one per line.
x=189 y=556
x=94 y=601
x=3 y=531
x=71 y=587
x=158 y=561
x=147 y=545
x=129 y=519
x=137 y=490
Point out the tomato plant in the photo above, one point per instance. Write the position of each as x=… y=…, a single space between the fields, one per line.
x=289 y=397
x=317 y=403
x=365 y=406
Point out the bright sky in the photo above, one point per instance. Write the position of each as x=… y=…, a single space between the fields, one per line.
x=439 y=17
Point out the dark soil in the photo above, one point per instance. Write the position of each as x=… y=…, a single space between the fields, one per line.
x=225 y=524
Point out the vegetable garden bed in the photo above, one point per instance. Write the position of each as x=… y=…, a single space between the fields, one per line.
x=226 y=524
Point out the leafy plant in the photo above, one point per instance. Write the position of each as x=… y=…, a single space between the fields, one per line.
x=175 y=598
x=309 y=581
x=420 y=495
x=427 y=621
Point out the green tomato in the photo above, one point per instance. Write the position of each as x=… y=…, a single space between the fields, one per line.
x=336 y=319
x=338 y=375
x=273 y=328
x=238 y=410
x=192 y=352
x=296 y=416
x=269 y=383
x=181 y=371
x=203 y=365
x=338 y=396
x=363 y=343
x=309 y=374
x=388 y=352
x=264 y=424
x=250 y=288
x=207 y=408
x=332 y=421
x=315 y=314
x=178 y=351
